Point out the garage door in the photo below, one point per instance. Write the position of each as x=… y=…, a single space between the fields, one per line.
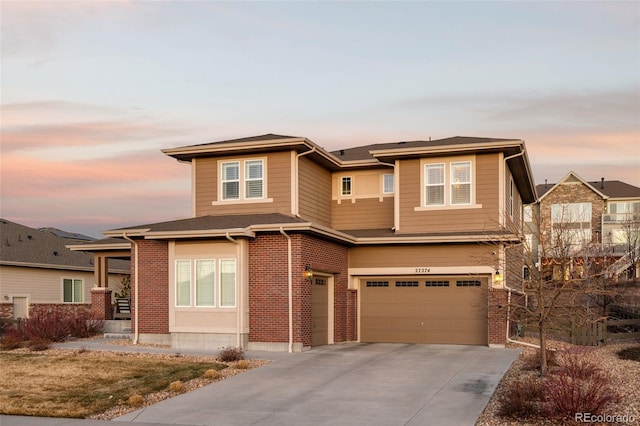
x=424 y=310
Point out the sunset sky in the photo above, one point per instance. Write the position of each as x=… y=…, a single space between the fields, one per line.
x=91 y=91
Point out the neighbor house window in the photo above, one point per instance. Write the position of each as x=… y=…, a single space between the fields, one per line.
x=72 y=290
x=461 y=183
x=528 y=214
x=242 y=180
x=434 y=184
x=571 y=223
x=346 y=186
x=205 y=283
x=387 y=184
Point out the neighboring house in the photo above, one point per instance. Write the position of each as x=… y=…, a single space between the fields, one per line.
x=291 y=246
x=37 y=269
x=603 y=216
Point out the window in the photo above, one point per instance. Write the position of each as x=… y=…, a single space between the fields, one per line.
x=205 y=282
x=72 y=290
x=528 y=214
x=468 y=283
x=461 y=183
x=201 y=283
x=434 y=184
x=228 y=283
x=571 y=223
x=346 y=186
x=242 y=180
x=436 y=283
x=231 y=181
x=622 y=211
x=387 y=184
x=377 y=283
x=253 y=179
x=526 y=273
x=407 y=284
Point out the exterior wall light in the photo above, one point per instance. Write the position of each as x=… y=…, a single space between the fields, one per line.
x=497 y=278
x=307 y=273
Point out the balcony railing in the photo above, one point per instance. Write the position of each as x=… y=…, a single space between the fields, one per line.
x=621 y=217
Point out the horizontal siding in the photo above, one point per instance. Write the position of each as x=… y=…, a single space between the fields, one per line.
x=278 y=175
x=45 y=285
x=486 y=170
x=420 y=256
x=367 y=213
x=314 y=192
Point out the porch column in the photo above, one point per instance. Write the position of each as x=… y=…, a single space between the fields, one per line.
x=101 y=270
x=101 y=303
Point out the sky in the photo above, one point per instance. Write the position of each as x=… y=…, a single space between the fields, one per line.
x=91 y=91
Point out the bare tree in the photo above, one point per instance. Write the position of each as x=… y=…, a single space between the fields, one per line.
x=553 y=274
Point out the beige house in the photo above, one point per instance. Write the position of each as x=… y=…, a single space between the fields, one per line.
x=36 y=268
x=291 y=246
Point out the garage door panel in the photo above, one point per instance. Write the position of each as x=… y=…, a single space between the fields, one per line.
x=438 y=310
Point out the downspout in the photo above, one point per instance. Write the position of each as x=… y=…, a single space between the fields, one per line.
x=296 y=207
x=509 y=289
x=135 y=286
x=237 y=243
x=290 y=287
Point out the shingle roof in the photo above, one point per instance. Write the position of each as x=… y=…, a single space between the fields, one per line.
x=610 y=188
x=363 y=152
x=206 y=223
x=265 y=137
x=32 y=247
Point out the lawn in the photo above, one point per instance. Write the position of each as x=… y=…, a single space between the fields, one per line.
x=59 y=383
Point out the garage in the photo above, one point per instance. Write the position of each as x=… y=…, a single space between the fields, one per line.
x=411 y=309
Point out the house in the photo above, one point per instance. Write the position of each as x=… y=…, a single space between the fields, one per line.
x=36 y=268
x=601 y=216
x=291 y=246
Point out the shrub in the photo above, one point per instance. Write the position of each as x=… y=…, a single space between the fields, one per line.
x=577 y=363
x=84 y=324
x=135 y=400
x=211 y=374
x=532 y=360
x=231 y=353
x=39 y=344
x=176 y=386
x=56 y=324
x=568 y=395
x=12 y=339
x=242 y=364
x=522 y=398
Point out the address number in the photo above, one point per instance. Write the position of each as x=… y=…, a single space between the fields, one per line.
x=423 y=270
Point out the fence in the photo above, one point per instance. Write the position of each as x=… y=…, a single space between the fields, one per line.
x=597 y=333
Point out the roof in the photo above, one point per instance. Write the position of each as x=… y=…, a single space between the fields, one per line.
x=607 y=188
x=364 y=152
x=260 y=138
x=30 y=247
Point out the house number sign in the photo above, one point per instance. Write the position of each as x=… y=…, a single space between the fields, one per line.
x=423 y=270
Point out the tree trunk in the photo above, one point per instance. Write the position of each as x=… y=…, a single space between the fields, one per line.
x=543 y=349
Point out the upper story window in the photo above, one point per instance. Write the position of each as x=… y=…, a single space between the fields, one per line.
x=622 y=211
x=510 y=197
x=387 y=183
x=571 y=223
x=434 y=184
x=447 y=185
x=242 y=180
x=528 y=213
x=461 y=182
x=346 y=186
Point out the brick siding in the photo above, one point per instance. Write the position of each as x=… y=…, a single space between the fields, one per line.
x=497 y=317
x=153 y=285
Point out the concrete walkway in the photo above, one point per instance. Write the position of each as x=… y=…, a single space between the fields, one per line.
x=347 y=384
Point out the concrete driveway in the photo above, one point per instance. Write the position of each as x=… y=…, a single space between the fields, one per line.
x=349 y=384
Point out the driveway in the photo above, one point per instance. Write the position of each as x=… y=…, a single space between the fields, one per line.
x=345 y=384
x=348 y=384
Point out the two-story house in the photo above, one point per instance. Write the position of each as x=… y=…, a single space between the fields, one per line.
x=290 y=246
x=601 y=216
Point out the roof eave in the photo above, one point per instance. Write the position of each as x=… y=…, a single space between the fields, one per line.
x=444 y=149
x=60 y=267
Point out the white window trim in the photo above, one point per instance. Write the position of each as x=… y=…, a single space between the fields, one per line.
x=510 y=197
x=72 y=289
x=342 y=180
x=242 y=182
x=383 y=183
x=470 y=183
x=193 y=284
x=447 y=184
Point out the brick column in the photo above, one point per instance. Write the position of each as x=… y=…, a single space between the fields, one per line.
x=497 y=317
x=101 y=303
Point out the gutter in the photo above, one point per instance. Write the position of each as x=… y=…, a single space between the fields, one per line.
x=290 y=287
x=136 y=334
x=238 y=309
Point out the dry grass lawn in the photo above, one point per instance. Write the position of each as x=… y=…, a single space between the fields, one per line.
x=81 y=383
